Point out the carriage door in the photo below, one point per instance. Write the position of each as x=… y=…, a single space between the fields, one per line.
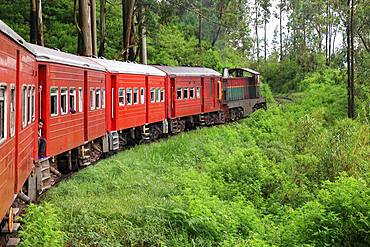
x=202 y=93
x=43 y=97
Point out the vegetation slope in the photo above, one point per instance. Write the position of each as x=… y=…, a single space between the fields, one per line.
x=294 y=175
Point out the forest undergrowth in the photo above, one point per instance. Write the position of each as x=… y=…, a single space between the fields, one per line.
x=294 y=175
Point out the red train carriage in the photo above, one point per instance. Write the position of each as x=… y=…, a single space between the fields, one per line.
x=73 y=100
x=18 y=122
x=137 y=100
x=241 y=92
x=194 y=96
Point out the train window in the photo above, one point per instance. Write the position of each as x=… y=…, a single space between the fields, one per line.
x=158 y=95
x=198 y=92
x=162 y=95
x=54 y=101
x=12 y=111
x=152 y=95
x=92 y=98
x=33 y=106
x=97 y=99
x=121 y=97
x=72 y=99
x=142 y=95
x=24 y=106
x=179 y=93
x=186 y=93
x=63 y=101
x=192 y=93
x=129 y=96
x=136 y=96
x=3 y=115
x=103 y=98
x=80 y=100
x=29 y=104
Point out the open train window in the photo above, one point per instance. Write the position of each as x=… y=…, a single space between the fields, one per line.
x=192 y=93
x=92 y=99
x=158 y=95
x=152 y=95
x=186 y=93
x=12 y=110
x=54 y=102
x=72 y=99
x=24 y=106
x=63 y=101
x=33 y=104
x=136 y=96
x=3 y=115
x=121 y=97
x=179 y=93
x=129 y=96
x=29 y=104
x=103 y=98
x=142 y=95
x=198 y=92
x=80 y=100
x=162 y=95
x=97 y=99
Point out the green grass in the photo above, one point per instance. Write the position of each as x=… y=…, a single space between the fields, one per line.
x=292 y=175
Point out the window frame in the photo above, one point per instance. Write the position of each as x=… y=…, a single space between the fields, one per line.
x=12 y=109
x=158 y=95
x=33 y=106
x=142 y=95
x=163 y=95
x=29 y=104
x=191 y=89
x=198 y=95
x=123 y=96
x=80 y=99
x=57 y=100
x=74 y=94
x=129 y=99
x=152 y=95
x=92 y=98
x=66 y=102
x=179 y=89
x=4 y=86
x=186 y=89
x=97 y=98
x=103 y=95
x=24 y=105
x=135 y=91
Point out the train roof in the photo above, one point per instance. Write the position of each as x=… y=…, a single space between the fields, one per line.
x=188 y=71
x=115 y=66
x=44 y=54
x=14 y=36
x=245 y=69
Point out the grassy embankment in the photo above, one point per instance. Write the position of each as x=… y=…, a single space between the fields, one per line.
x=297 y=174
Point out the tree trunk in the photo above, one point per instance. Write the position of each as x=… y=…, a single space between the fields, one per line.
x=281 y=29
x=33 y=22
x=85 y=44
x=40 y=24
x=265 y=38
x=143 y=50
x=327 y=33
x=93 y=27
x=200 y=31
x=352 y=62
x=103 y=27
x=128 y=12
x=256 y=30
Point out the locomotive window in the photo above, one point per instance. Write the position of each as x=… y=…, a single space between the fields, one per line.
x=54 y=101
x=97 y=99
x=162 y=95
x=103 y=98
x=129 y=96
x=121 y=97
x=136 y=96
x=191 y=93
x=72 y=99
x=24 y=106
x=186 y=93
x=198 y=92
x=3 y=114
x=179 y=93
x=80 y=100
x=29 y=104
x=158 y=95
x=142 y=95
x=152 y=95
x=12 y=111
x=33 y=106
x=63 y=101
x=92 y=99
